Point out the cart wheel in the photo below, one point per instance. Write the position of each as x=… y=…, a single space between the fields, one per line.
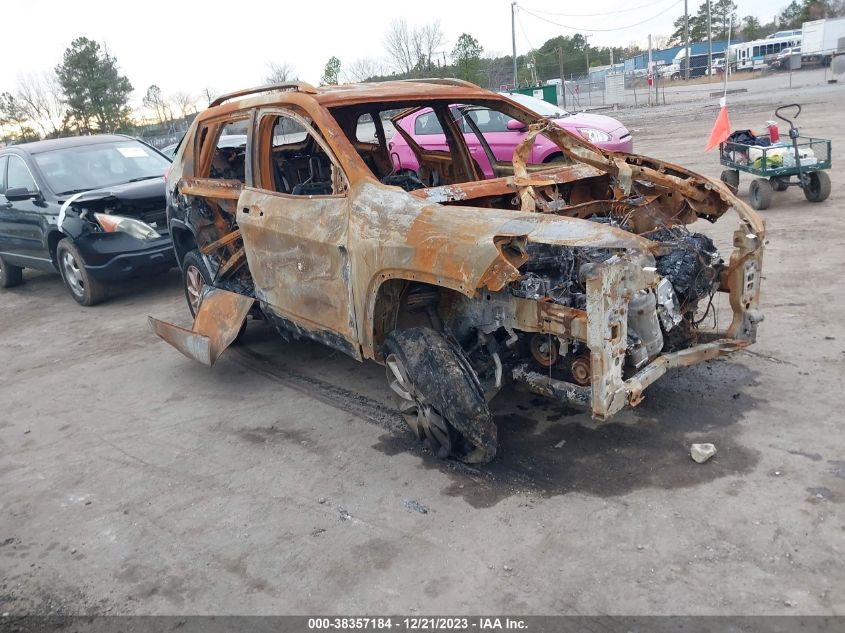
x=760 y=192
x=818 y=187
x=779 y=184
x=731 y=178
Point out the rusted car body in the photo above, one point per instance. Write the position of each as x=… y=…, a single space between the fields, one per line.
x=579 y=279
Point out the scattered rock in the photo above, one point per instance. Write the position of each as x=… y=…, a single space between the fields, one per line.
x=560 y=444
x=73 y=551
x=344 y=515
x=317 y=531
x=702 y=452
x=820 y=493
x=321 y=500
x=641 y=547
x=415 y=506
x=88 y=503
x=26 y=431
x=507 y=567
x=788 y=603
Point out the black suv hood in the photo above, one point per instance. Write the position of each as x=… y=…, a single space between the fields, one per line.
x=143 y=200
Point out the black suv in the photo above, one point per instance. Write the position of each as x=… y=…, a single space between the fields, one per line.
x=91 y=208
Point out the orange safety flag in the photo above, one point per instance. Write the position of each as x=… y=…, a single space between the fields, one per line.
x=721 y=129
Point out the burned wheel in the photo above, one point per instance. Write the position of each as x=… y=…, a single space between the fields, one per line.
x=439 y=395
x=425 y=421
x=195 y=276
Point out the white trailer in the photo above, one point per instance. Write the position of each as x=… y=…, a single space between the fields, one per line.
x=821 y=39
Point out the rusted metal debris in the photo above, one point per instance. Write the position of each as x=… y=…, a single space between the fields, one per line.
x=332 y=240
x=218 y=321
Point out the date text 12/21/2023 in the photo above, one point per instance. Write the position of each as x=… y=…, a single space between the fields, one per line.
x=419 y=623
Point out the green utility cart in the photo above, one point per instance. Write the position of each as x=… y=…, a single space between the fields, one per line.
x=779 y=167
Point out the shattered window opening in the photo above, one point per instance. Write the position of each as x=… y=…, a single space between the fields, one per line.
x=228 y=161
x=297 y=163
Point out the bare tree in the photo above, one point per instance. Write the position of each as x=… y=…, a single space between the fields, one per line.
x=426 y=40
x=363 y=69
x=399 y=46
x=184 y=103
x=40 y=97
x=280 y=73
x=210 y=94
x=659 y=42
x=411 y=51
x=156 y=102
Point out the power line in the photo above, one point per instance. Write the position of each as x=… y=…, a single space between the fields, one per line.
x=620 y=28
x=593 y=15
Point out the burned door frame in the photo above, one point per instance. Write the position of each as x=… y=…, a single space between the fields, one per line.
x=214 y=198
x=296 y=245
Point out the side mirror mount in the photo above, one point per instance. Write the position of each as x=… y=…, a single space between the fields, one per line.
x=17 y=194
x=516 y=126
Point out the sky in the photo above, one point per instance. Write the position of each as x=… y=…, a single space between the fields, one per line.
x=189 y=46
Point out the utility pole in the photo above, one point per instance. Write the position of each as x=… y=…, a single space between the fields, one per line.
x=686 y=35
x=513 y=41
x=562 y=79
x=709 y=44
x=587 y=52
x=650 y=71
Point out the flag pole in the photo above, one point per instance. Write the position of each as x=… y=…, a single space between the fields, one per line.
x=722 y=127
x=727 y=63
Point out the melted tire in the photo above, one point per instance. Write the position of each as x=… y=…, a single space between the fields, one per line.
x=442 y=374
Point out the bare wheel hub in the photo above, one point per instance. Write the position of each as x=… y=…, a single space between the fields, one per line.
x=425 y=421
x=581 y=370
x=544 y=349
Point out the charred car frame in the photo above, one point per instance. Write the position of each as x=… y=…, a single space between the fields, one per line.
x=579 y=278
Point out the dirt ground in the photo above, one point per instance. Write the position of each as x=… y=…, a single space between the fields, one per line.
x=281 y=481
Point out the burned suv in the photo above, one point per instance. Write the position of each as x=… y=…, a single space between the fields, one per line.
x=578 y=277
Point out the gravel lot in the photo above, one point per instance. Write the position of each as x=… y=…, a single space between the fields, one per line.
x=281 y=481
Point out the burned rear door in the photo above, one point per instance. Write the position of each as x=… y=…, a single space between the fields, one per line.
x=294 y=228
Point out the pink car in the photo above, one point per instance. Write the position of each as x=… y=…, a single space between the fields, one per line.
x=503 y=133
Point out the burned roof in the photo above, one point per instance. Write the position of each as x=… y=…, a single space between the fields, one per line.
x=349 y=94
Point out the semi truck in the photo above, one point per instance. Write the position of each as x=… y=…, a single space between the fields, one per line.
x=821 y=40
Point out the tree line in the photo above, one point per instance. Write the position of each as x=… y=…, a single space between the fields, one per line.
x=724 y=20
x=86 y=93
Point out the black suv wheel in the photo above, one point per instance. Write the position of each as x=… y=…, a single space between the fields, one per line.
x=86 y=290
